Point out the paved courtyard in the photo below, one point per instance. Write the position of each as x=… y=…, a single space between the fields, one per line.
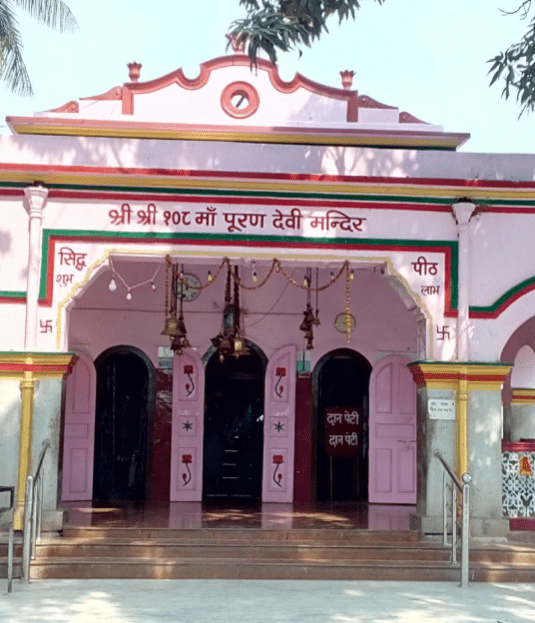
x=259 y=601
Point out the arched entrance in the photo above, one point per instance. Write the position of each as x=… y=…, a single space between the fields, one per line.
x=340 y=382
x=124 y=405
x=234 y=426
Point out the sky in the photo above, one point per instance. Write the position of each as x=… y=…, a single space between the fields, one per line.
x=427 y=57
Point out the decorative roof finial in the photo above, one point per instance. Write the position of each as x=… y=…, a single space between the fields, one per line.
x=347 y=78
x=134 y=71
x=237 y=48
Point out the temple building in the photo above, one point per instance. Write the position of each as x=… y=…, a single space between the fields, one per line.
x=233 y=287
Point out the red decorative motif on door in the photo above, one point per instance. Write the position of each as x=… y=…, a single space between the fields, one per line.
x=279 y=427
x=187 y=428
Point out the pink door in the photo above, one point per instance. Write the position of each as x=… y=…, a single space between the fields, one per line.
x=279 y=427
x=79 y=437
x=392 y=467
x=187 y=428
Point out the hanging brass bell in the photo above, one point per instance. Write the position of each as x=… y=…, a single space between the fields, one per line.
x=171 y=326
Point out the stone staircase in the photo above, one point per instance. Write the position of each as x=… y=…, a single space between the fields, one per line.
x=317 y=554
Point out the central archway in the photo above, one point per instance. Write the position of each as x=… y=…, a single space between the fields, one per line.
x=234 y=426
x=124 y=405
x=341 y=383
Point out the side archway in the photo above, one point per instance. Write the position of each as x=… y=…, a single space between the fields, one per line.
x=340 y=381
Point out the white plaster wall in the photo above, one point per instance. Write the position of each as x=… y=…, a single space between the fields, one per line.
x=12 y=318
x=523 y=373
x=13 y=245
x=178 y=105
x=489 y=336
x=208 y=155
x=502 y=255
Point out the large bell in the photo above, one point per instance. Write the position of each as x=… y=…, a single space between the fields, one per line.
x=171 y=326
x=179 y=344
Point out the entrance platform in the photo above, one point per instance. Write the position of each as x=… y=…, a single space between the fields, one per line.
x=238 y=515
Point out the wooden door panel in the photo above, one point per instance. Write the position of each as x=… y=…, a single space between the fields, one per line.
x=392 y=433
x=187 y=428
x=384 y=390
x=79 y=432
x=279 y=427
x=406 y=399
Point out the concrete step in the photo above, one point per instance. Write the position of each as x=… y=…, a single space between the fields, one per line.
x=243 y=549
x=362 y=536
x=17 y=567
x=230 y=568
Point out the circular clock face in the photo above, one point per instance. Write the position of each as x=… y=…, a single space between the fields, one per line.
x=340 y=323
x=190 y=294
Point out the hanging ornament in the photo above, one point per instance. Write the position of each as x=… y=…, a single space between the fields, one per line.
x=128 y=296
x=348 y=310
x=317 y=314
x=112 y=286
x=307 y=326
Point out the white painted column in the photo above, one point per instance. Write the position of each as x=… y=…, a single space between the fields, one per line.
x=462 y=212
x=34 y=202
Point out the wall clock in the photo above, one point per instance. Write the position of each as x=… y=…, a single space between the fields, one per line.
x=340 y=323
x=190 y=294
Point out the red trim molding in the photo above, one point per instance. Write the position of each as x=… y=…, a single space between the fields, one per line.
x=448 y=375
x=39 y=365
x=69 y=107
x=518 y=446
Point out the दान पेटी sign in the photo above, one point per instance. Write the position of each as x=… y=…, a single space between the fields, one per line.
x=341 y=432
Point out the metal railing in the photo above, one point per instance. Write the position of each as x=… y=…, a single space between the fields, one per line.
x=33 y=512
x=11 y=491
x=462 y=488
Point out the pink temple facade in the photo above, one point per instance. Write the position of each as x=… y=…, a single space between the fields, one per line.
x=362 y=266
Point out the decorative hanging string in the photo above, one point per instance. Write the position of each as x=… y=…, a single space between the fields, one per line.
x=348 y=302
x=317 y=314
x=332 y=281
x=276 y=266
x=136 y=285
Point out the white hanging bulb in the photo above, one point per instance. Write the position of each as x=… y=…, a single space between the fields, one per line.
x=153 y=286
x=128 y=296
x=112 y=286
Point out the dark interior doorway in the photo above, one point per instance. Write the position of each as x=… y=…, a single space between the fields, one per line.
x=234 y=426
x=341 y=380
x=124 y=402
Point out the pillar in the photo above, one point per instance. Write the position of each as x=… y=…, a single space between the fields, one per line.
x=27 y=386
x=34 y=202
x=40 y=377
x=476 y=390
x=462 y=212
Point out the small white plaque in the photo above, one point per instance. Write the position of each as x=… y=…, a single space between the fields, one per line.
x=441 y=409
